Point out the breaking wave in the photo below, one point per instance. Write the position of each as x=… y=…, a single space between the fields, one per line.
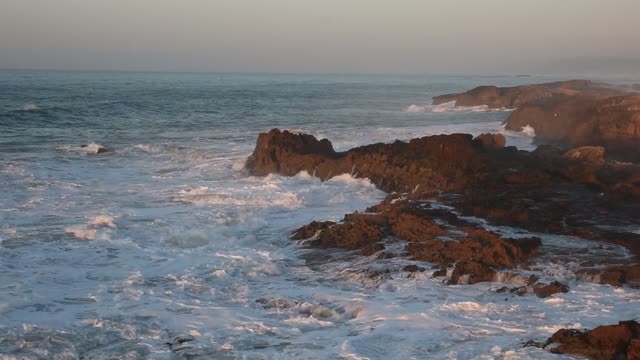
x=90 y=148
x=450 y=107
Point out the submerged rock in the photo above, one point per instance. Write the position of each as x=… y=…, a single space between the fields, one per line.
x=541 y=290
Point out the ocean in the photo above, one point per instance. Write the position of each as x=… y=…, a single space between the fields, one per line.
x=129 y=230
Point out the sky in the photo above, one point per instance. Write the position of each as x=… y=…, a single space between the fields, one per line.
x=323 y=36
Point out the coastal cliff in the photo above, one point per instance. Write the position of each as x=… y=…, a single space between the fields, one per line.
x=567 y=113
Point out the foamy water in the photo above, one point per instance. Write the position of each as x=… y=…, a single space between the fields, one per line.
x=164 y=248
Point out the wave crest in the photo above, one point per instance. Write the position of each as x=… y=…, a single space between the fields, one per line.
x=450 y=107
x=90 y=148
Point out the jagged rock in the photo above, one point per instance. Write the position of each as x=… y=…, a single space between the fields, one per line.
x=310 y=230
x=611 y=342
x=548 y=190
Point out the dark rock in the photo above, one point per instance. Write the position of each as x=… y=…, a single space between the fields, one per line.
x=413 y=268
x=618 y=275
x=609 y=342
x=471 y=272
x=311 y=230
x=545 y=290
x=571 y=121
x=541 y=290
x=491 y=141
x=548 y=190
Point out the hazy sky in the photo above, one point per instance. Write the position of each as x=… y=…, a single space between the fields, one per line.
x=343 y=36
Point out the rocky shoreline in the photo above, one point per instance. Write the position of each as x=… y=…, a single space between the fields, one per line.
x=444 y=190
x=436 y=183
x=566 y=113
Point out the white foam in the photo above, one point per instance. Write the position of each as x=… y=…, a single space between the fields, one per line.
x=153 y=149
x=529 y=131
x=81 y=232
x=103 y=220
x=451 y=107
x=203 y=197
x=90 y=148
x=30 y=107
x=239 y=165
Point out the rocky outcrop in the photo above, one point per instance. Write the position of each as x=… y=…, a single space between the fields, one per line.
x=441 y=162
x=636 y=86
x=548 y=190
x=566 y=114
x=514 y=97
x=611 y=342
x=570 y=121
x=431 y=235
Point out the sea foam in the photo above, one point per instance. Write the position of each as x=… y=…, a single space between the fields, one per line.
x=451 y=107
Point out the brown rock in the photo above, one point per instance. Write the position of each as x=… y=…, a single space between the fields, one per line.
x=541 y=290
x=491 y=141
x=571 y=121
x=609 y=342
x=471 y=272
x=589 y=154
x=545 y=290
x=549 y=190
x=355 y=234
x=514 y=97
x=312 y=229
x=619 y=275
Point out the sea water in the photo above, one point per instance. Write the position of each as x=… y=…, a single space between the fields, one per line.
x=129 y=229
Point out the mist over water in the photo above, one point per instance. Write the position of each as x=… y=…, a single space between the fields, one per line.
x=128 y=228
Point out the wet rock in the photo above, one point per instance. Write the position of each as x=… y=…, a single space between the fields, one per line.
x=545 y=290
x=491 y=141
x=471 y=272
x=474 y=252
x=441 y=272
x=413 y=268
x=425 y=165
x=353 y=234
x=180 y=343
x=311 y=230
x=276 y=303
x=619 y=275
x=548 y=190
x=609 y=342
x=541 y=290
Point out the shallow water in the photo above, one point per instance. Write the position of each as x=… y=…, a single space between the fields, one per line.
x=162 y=247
